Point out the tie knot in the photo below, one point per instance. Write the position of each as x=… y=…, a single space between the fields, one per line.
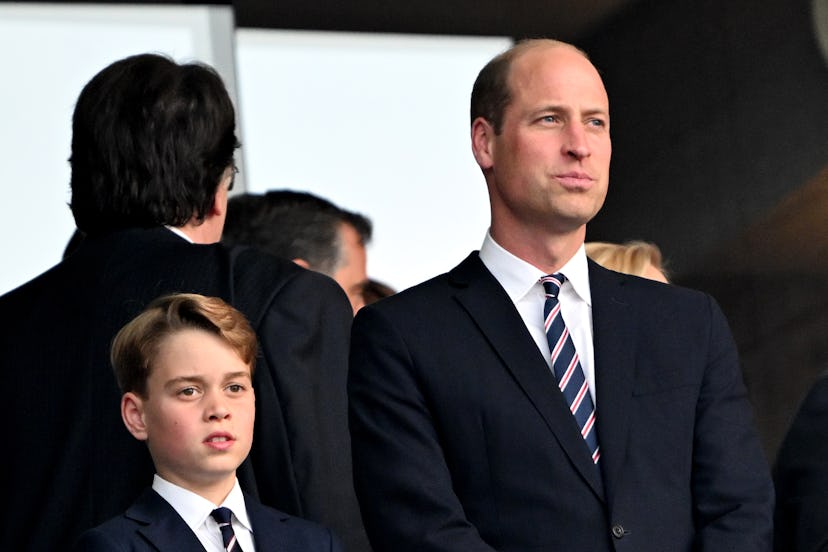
x=221 y=515
x=552 y=283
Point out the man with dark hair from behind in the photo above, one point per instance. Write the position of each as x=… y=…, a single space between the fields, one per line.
x=307 y=229
x=152 y=162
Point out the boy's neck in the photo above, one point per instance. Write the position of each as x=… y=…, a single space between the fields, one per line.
x=214 y=491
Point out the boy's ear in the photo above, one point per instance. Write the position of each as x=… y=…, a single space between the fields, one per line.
x=132 y=412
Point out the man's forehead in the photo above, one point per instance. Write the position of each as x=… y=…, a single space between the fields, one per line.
x=540 y=62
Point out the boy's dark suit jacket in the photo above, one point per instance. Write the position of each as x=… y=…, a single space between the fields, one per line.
x=151 y=524
x=70 y=464
x=463 y=442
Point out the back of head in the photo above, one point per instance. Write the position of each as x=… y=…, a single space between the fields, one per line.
x=292 y=225
x=136 y=345
x=150 y=142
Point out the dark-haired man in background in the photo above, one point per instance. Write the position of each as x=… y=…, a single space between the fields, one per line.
x=307 y=229
x=152 y=163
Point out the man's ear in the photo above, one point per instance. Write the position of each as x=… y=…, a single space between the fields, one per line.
x=132 y=412
x=302 y=262
x=219 y=207
x=482 y=139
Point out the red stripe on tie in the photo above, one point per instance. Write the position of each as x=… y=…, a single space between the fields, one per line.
x=568 y=373
x=588 y=425
x=579 y=399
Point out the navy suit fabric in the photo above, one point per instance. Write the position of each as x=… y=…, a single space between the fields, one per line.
x=463 y=442
x=152 y=525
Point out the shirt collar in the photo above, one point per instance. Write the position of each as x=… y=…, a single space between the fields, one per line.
x=519 y=278
x=179 y=232
x=235 y=501
x=194 y=509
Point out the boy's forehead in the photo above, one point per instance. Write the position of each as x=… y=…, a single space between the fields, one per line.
x=197 y=354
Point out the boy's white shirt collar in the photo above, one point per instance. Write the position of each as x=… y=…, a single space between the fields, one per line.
x=195 y=509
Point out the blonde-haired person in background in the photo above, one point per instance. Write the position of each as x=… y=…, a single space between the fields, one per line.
x=638 y=258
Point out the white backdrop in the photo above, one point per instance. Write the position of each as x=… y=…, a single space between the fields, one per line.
x=376 y=123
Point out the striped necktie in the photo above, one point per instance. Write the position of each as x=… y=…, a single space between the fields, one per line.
x=228 y=537
x=567 y=366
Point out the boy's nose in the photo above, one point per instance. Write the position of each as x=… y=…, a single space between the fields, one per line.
x=216 y=408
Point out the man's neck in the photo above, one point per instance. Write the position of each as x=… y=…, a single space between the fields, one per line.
x=545 y=251
x=204 y=232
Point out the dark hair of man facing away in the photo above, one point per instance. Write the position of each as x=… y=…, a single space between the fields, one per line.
x=152 y=162
x=149 y=154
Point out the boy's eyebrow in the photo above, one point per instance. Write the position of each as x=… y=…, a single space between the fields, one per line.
x=239 y=374
x=183 y=379
x=199 y=379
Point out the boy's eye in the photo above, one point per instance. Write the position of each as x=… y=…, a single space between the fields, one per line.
x=187 y=391
x=235 y=388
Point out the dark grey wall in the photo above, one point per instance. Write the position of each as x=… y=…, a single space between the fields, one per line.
x=719 y=113
x=718 y=110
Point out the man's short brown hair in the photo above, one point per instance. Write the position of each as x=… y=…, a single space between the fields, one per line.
x=491 y=93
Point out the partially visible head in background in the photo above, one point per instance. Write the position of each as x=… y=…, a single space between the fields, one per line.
x=307 y=229
x=638 y=258
x=375 y=290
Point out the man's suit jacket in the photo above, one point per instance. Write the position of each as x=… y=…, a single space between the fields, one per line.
x=152 y=525
x=801 y=475
x=462 y=440
x=73 y=465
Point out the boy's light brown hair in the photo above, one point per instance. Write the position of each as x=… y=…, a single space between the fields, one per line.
x=136 y=345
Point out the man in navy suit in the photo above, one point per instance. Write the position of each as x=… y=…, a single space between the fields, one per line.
x=462 y=438
x=186 y=366
x=153 y=145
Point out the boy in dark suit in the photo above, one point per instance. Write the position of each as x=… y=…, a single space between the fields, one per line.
x=153 y=144
x=185 y=366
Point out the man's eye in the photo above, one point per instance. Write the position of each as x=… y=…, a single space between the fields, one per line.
x=549 y=119
x=597 y=122
x=235 y=388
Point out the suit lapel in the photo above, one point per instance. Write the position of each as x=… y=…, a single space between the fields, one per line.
x=613 y=323
x=163 y=527
x=266 y=532
x=489 y=306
